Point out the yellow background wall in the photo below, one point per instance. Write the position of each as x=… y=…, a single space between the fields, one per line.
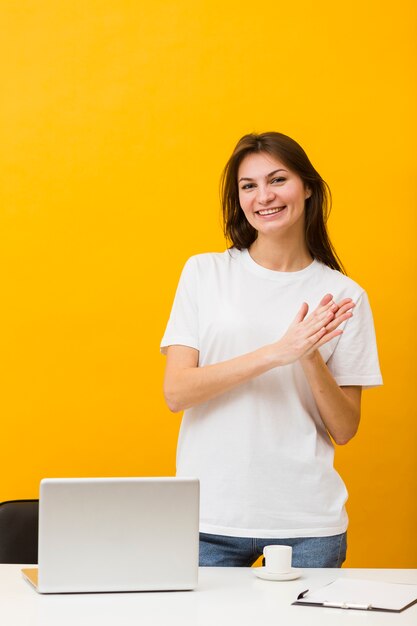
x=117 y=117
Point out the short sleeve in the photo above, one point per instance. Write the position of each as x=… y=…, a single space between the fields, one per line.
x=355 y=358
x=182 y=327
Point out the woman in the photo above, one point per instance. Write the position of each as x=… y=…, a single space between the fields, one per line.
x=268 y=347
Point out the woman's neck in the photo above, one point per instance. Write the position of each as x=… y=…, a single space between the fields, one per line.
x=281 y=256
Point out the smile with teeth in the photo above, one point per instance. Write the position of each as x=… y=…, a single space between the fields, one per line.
x=271 y=211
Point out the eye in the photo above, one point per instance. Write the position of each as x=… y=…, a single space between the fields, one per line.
x=247 y=186
x=278 y=179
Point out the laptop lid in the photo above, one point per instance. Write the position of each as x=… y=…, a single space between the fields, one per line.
x=118 y=534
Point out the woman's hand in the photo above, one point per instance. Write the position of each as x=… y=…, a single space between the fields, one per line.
x=186 y=384
x=307 y=333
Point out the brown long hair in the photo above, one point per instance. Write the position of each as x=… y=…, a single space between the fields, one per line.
x=237 y=229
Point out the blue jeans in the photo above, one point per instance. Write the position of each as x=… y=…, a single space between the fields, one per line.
x=222 y=551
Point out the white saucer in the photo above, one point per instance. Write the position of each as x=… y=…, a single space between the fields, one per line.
x=294 y=573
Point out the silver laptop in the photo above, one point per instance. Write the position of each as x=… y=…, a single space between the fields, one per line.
x=117 y=534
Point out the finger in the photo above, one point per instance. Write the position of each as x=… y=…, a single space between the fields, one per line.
x=344 y=301
x=316 y=324
x=315 y=338
x=338 y=320
x=325 y=304
x=328 y=337
x=322 y=337
x=349 y=306
x=330 y=315
x=318 y=319
x=326 y=300
x=338 y=308
x=301 y=314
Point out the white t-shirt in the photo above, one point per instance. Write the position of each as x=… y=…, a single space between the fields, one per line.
x=261 y=451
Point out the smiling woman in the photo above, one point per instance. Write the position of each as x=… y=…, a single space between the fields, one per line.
x=266 y=385
x=283 y=167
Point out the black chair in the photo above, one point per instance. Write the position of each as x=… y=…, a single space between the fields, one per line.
x=19 y=531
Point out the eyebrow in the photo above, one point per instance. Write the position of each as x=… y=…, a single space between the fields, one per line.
x=267 y=176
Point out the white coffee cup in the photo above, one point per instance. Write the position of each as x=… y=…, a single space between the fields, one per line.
x=278 y=559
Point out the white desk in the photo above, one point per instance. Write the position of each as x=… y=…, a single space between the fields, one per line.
x=225 y=596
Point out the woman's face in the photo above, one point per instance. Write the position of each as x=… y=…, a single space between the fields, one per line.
x=272 y=197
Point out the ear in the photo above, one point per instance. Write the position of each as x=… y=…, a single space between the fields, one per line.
x=308 y=193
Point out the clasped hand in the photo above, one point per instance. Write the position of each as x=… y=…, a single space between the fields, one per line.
x=307 y=333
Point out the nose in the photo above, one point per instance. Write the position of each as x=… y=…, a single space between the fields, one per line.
x=265 y=194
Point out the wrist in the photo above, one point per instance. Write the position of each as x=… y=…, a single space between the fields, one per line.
x=311 y=358
x=270 y=356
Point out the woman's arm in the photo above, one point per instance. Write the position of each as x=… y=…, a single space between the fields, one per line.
x=186 y=384
x=339 y=407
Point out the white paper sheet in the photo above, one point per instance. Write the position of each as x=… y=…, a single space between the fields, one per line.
x=363 y=593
